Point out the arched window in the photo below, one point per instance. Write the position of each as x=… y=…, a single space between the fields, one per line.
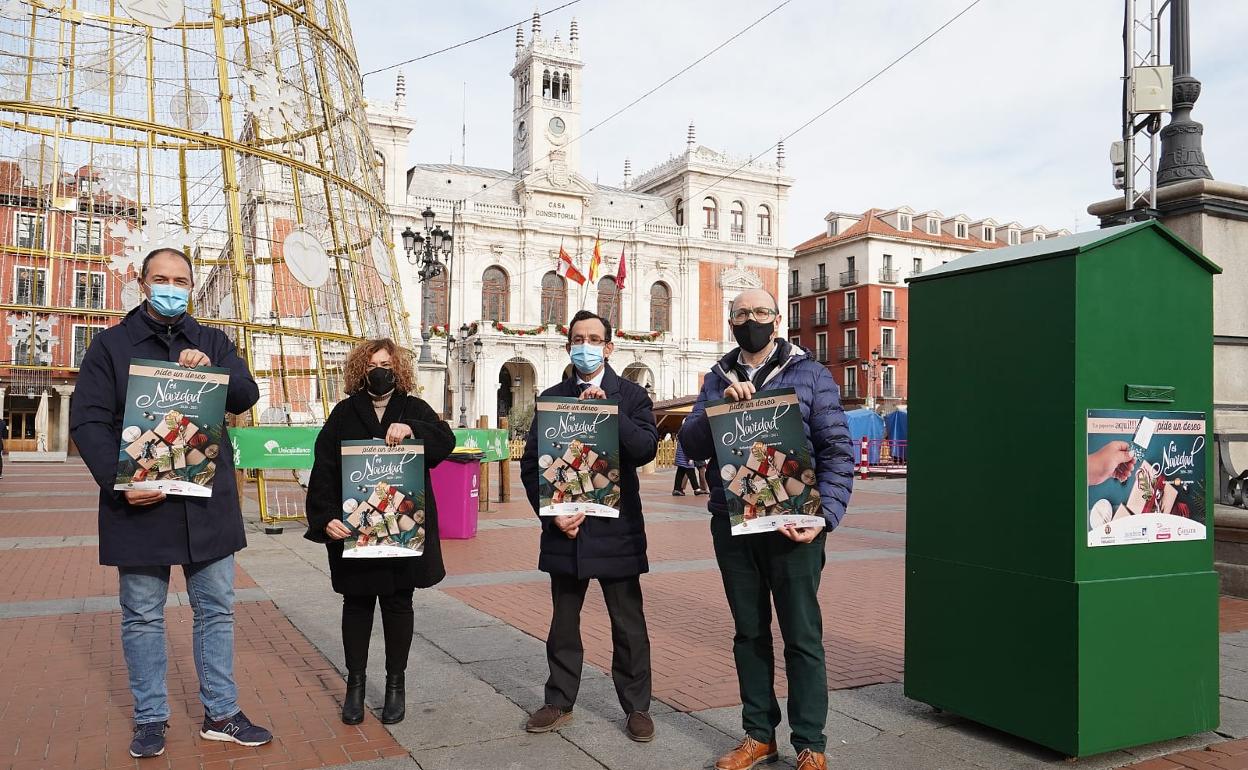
x=609 y=302
x=711 y=211
x=567 y=87
x=764 y=221
x=680 y=212
x=660 y=307
x=554 y=299
x=556 y=86
x=545 y=84
x=495 y=294
x=738 y=217
x=438 y=312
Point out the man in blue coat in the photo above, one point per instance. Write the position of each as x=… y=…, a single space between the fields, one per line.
x=143 y=533
x=578 y=548
x=783 y=566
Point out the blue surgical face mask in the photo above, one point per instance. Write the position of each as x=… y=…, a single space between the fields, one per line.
x=587 y=358
x=168 y=300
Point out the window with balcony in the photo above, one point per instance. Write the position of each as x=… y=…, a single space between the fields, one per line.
x=83 y=334
x=795 y=284
x=820 y=281
x=888 y=310
x=795 y=314
x=88 y=236
x=30 y=286
x=916 y=266
x=710 y=214
x=738 y=217
x=821 y=347
x=29 y=233
x=850 y=388
x=764 y=223
x=888 y=339
x=888 y=274
x=888 y=382
x=495 y=294
x=850 y=350
x=850 y=311
x=660 y=307
x=850 y=276
x=554 y=298
x=609 y=301
x=821 y=312
x=88 y=290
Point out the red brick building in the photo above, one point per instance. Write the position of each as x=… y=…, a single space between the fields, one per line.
x=56 y=293
x=848 y=300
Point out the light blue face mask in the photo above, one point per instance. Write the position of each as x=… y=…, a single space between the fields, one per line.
x=587 y=358
x=168 y=300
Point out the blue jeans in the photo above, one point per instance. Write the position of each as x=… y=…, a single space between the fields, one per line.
x=210 y=586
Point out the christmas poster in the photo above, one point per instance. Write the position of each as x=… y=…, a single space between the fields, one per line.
x=383 y=498
x=765 y=464
x=578 y=456
x=172 y=429
x=1146 y=477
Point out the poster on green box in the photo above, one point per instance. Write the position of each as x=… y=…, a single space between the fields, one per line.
x=578 y=456
x=172 y=428
x=383 y=499
x=769 y=480
x=1146 y=477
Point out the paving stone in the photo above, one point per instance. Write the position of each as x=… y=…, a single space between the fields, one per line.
x=524 y=752
x=458 y=722
x=887 y=709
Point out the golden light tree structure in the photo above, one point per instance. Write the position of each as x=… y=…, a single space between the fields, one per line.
x=233 y=130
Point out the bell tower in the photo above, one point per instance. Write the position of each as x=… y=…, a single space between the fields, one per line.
x=547 y=114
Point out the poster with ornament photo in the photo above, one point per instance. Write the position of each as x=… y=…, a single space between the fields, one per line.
x=172 y=428
x=769 y=479
x=578 y=456
x=1146 y=477
x=383 y=498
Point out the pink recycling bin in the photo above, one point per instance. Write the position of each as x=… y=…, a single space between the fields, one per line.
x=457 y=488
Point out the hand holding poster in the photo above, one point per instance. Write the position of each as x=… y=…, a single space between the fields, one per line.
x=172 y=429
x=1146 y=477
x=769 y=479
x=578 y=456
x=383 y=498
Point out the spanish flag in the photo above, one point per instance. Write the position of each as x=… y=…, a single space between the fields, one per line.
x=595 y=264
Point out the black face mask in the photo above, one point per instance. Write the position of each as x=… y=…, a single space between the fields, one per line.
x=380 y=381
x=753 y=336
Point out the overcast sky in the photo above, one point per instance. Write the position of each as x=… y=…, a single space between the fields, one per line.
x=1008 y=113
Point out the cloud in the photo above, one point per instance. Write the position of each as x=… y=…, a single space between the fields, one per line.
x=1009 y=113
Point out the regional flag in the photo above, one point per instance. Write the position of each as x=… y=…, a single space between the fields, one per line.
x=568 y=270
x=595 y=264
x=621 y=273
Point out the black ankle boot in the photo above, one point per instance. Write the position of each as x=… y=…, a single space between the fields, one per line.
x=396 y=700
x=353 y=704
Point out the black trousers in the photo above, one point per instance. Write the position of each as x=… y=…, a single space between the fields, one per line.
x=630 y=655
x=396 y=623
x=686 y=473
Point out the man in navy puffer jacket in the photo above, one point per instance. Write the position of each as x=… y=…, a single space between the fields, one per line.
x=785 y=565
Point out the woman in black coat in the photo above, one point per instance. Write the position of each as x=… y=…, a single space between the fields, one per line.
x=379 y=380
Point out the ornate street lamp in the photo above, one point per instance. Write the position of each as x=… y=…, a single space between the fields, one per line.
x=427 y=251
x=466 y=353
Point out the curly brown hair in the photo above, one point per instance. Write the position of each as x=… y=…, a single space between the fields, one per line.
x=355 y=370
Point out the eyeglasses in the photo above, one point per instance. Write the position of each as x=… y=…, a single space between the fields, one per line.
x=592 y=339
x=760 y=314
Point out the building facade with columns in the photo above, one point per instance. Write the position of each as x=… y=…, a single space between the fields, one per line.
x=693 y=231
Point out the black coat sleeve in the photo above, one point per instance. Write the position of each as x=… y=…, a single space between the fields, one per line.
x=437 y=436
x=639 y=436
x=528 y=467
x=324 y=502
x=92 y=412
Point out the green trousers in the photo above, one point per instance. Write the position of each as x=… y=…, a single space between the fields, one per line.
x=757 y=571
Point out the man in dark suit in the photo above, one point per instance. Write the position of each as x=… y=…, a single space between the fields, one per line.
x=576 y=548
x=143 y=532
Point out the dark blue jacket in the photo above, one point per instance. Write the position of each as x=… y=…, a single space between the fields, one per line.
x=827 y=434
x=604 y=548
x=179 y=530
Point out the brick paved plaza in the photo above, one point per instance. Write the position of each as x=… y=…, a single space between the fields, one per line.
x=478 y=661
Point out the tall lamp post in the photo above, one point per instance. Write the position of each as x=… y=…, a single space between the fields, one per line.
x=466 y=353
x=427 y=250
x=870 y=369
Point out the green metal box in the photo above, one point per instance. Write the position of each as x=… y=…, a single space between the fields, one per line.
x=1083 y=618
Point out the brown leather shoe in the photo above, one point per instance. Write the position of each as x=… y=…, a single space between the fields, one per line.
x=747 y=754
x=640 y=727
x=548 y=718
x=809 y=759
